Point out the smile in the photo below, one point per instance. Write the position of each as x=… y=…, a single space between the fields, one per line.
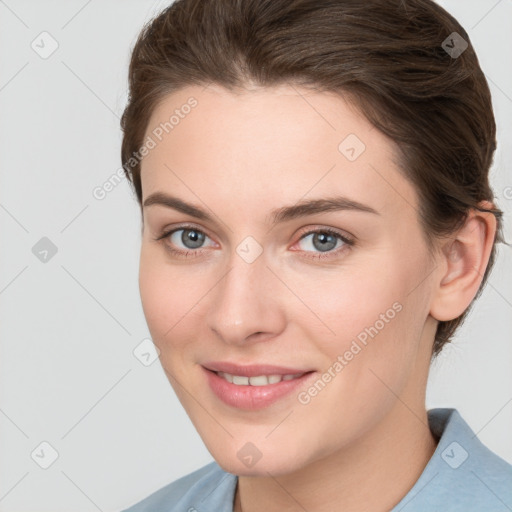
x=262 y=388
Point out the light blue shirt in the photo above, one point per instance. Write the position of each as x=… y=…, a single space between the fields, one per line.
x=462 y=475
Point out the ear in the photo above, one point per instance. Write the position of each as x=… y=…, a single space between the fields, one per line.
x=462 y=262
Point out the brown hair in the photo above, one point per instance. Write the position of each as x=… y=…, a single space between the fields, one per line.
x=388 y=56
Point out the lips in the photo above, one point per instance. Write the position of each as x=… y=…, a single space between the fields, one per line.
x=253 y=387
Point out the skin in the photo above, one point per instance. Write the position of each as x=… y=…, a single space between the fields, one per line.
x=363 y=440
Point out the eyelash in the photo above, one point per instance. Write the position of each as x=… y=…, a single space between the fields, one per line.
x=192 y=253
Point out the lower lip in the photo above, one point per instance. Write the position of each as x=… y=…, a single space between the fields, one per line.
x=252 y=397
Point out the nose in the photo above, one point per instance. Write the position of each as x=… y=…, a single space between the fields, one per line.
x=247 y=303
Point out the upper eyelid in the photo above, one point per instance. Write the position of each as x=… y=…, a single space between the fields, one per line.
x=335 y=231
x=168 y=232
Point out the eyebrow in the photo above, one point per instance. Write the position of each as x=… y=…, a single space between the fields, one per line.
x=285 y=213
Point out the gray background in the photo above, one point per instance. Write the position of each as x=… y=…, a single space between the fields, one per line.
x=70 y=325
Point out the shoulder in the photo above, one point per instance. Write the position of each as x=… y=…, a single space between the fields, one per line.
x=463 y=474
x=208 y=488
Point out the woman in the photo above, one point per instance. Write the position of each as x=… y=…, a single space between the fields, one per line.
x=317 y=221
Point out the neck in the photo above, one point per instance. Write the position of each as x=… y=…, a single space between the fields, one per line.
x=374 y=473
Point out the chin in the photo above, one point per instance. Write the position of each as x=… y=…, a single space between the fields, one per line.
x=274 y=463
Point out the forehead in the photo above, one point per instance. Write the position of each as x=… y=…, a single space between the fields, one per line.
x=280 y=143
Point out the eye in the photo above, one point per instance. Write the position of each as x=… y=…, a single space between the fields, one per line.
x=326 y=241
x=188 y=241
x=184 y=241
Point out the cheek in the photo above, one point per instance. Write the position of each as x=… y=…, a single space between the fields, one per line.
x=350 y=303
x=368 y=361
x=370 y=322
x=168 y=299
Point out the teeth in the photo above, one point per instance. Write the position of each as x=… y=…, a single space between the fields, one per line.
x=241 y=381
x=260 y=380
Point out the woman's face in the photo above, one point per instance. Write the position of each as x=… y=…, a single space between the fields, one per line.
x=256 y=280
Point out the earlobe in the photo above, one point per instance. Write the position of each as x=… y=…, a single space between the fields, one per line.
x=463 y=260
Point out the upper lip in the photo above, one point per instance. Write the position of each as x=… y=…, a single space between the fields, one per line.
x=252 y=370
